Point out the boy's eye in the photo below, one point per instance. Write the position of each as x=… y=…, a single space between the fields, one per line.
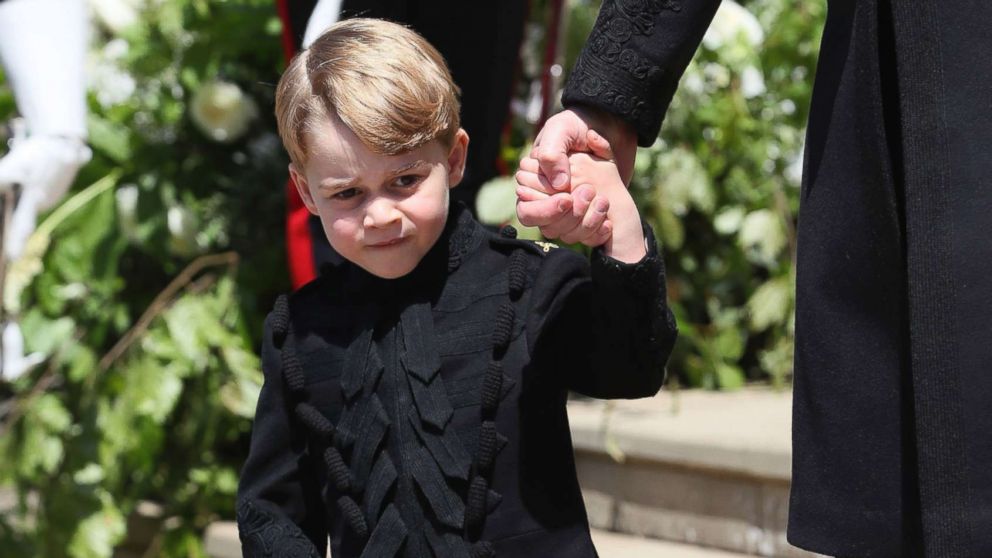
x=407 y=180
x=346 y=194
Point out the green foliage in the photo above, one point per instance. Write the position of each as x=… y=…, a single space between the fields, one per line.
x=721 y=184
x=142 y=291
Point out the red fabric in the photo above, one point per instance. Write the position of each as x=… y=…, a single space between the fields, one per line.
x=288 y=45
x=550 y=54
x=299 y=243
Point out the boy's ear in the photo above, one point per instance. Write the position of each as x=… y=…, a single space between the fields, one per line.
x=457 y=157
x=300 y=182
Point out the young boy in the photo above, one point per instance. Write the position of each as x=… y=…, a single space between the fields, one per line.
x=414 y=397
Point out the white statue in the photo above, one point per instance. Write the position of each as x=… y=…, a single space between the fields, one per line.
x=42 y=49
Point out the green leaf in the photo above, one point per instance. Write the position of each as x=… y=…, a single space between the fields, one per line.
x=683 y=182
x=496 y=203
x=97 y=535
x=729 y=344
x=50 y=413
x=152 y=390
x=240 y=397
x=109 y=139
x=729 y=376
x=45 y=336
x=671 y=230
x=770 y=304
x=92 y=473
x=40 y=450
x=762 y=237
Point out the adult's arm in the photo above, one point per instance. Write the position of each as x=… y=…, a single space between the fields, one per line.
x=634 y=57
x=621 y=86
x=602 y=327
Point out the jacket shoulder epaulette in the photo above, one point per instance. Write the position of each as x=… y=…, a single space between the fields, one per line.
x=507 y=239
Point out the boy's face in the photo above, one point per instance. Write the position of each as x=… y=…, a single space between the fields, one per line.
x=381 y=212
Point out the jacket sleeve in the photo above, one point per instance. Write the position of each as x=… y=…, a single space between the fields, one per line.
x=280 y=511
x=634 y=58
x=602 y=328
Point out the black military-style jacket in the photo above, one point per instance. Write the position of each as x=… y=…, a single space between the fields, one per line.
x=425 y=416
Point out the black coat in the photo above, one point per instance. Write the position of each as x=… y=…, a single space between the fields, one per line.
x=425 y=416
x=892 y=430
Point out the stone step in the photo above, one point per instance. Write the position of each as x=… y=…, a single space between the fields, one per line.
x=619 y=545
x=695 y=467
x=222 y=542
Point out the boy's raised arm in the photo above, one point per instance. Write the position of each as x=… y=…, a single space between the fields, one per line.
x=604 y=326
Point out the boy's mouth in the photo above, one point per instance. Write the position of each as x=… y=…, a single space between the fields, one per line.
x=387 y=243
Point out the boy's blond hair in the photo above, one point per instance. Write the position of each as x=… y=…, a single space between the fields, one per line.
x=385 y=82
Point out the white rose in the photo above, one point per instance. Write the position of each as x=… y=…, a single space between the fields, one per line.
x=127 y=210
x=182 y=225
x=730 y=22
x=222 y=111
x=716 y=74
x=116 y=15
x=15 y=362
x=729 y=220
x=752 y=83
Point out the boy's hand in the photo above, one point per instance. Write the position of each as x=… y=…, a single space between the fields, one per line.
x=602 y=211
x=579 y=216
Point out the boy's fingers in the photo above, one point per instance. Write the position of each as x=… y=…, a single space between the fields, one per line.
x=534 y=181
x=530 y=164
x=582 y=197
x=590 y=223
x=601 y=236
x=540 y=213
x=556 y=228
x=528 y=194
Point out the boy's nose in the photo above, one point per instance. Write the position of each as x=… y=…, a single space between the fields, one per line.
x=381 y=213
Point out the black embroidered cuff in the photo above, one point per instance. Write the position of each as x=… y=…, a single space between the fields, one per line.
x=265 y=534
x=645 y=278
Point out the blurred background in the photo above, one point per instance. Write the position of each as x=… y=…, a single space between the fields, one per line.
x=141 y=294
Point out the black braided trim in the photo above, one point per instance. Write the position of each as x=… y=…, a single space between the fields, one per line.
x=317 y=425
x=481 y=500
x=518 y=275
x=353 y=516
x=475 y=508
x=292 y=370
x=314 y=420
x=337 y=469
x=280 y=321
x=504 y=328
x=488 y=446
x=492 y=386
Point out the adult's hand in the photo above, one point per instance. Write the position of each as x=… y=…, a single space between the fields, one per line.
x=565 y=133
